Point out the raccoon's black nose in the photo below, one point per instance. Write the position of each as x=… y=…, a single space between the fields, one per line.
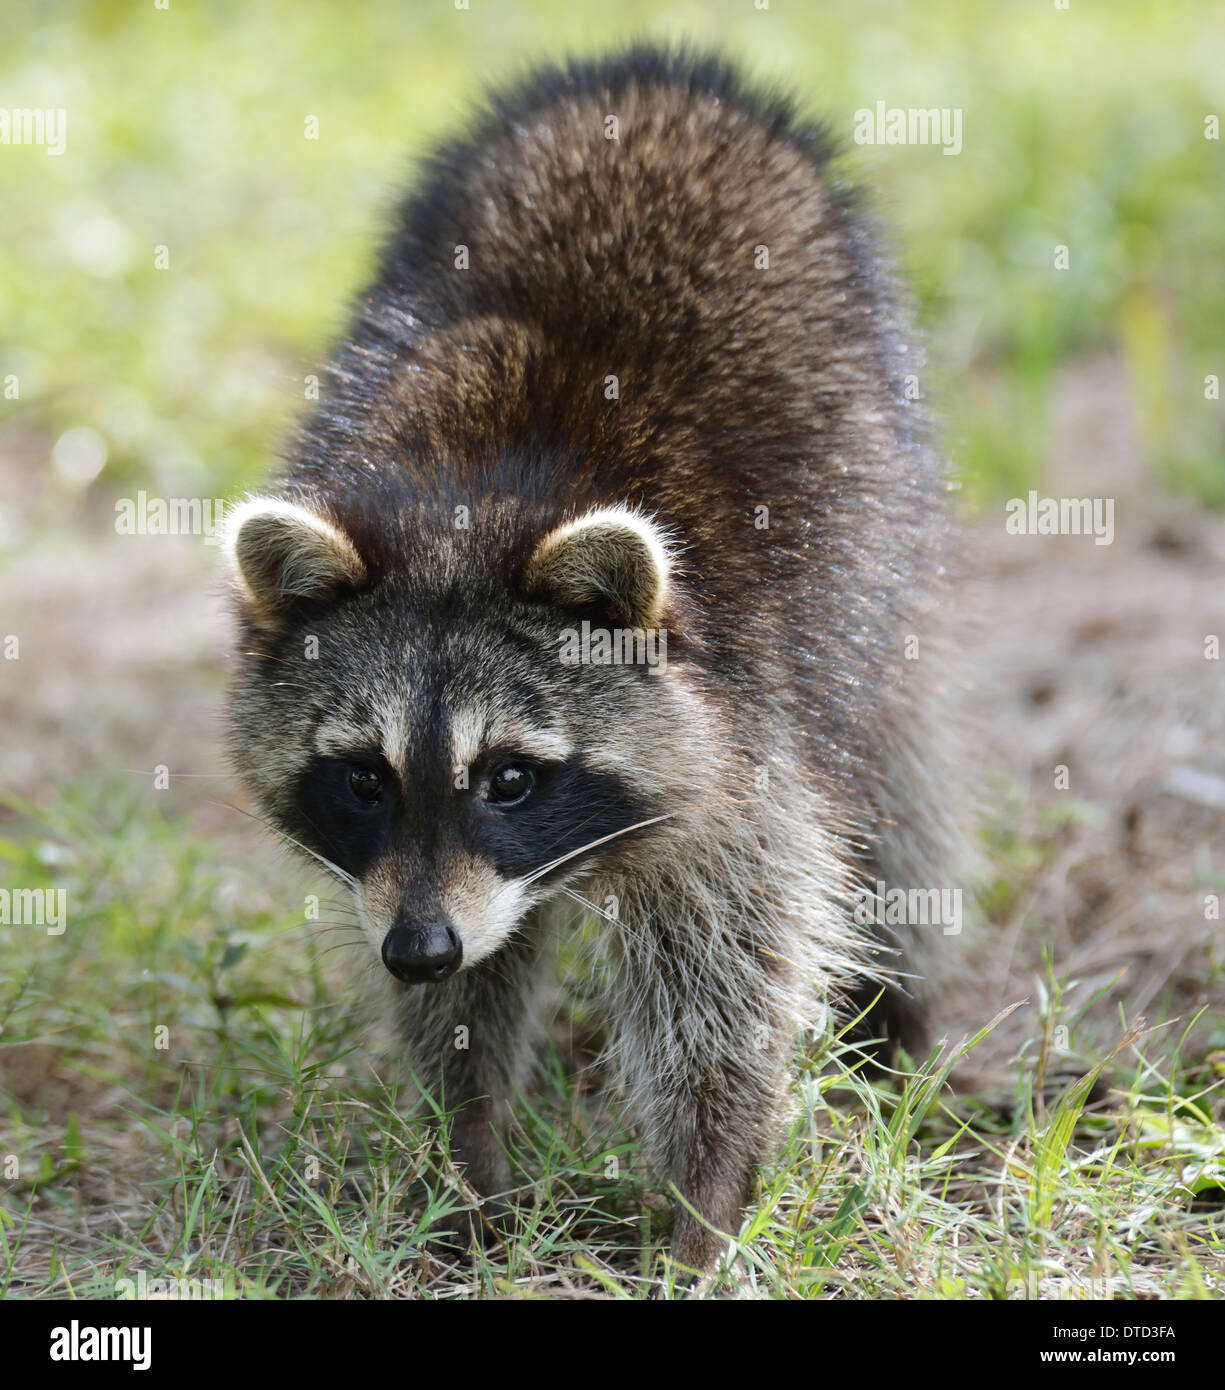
x=422 y=955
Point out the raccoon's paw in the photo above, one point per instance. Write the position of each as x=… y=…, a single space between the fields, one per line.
x=681 y=1290
x=685 y=1287
x=695 y=1266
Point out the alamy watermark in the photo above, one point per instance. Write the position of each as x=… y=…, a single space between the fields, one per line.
x=47 y=127
x=618 y=646
x=142 y=1288
x=35 y=907
x=881 y=905
x=914 y=125
x=143 y=515
x=1061 y=516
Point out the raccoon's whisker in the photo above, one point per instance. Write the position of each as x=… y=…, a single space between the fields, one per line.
x=591 y=907
x=493 y=970
x=592 y=844
x=314 y=928
x=335 y=946
x=339 y=905
x=638 y=825
x=289 y=839
x=284 y=661
x=632 y=933
x=574 y=829
x=327 y=863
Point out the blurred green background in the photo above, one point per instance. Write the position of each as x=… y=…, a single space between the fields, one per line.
x=186 y=129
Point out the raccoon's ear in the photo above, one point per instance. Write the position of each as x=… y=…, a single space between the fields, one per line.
x=614 y=559
x=280 y=551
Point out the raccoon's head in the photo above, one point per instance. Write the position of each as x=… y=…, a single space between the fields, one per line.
x=442 y=729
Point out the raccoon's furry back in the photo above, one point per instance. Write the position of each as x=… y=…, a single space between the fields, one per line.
x=636 y=281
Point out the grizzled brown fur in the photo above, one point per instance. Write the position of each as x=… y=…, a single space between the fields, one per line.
x=681 y=344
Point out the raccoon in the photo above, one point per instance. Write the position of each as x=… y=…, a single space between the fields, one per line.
x=588 y=592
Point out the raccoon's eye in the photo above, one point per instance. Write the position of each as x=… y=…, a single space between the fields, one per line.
x=511 y=783
x=366 y=784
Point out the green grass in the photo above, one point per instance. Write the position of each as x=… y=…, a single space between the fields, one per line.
x=259 y=1148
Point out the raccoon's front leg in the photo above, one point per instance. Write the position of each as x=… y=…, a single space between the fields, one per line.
x=703 y=1045
x=471 y=1041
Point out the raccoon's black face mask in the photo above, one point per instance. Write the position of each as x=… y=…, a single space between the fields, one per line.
x=459 y=741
